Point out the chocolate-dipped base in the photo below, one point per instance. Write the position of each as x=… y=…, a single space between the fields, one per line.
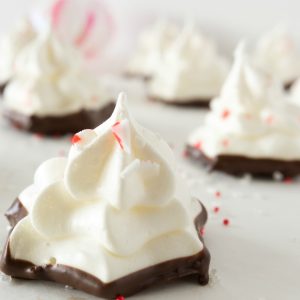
x=2 y=87
x=16 y=212
x=287 y=85
x=131 y=75
x=196 y=266
x=64 y=124
x=199 y=102
x=239 y=165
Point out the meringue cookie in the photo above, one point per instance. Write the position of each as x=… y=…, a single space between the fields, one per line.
x=113 y=207
x=277 y=54
x=191 y=71
x=50 y=80
x=250 y=118
x=152 y=45
x=11 y=45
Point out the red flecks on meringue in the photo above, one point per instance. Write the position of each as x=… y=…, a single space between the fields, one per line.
x=225 y=143
x=225 y=114
x=76 y=139
x=202 y=231
x=198 y=145
x=121 y=132
x=269 y=119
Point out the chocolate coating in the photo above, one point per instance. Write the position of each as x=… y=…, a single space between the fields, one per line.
x=70 y=123
x=196 y=265
x=2 y=87
x=16 y=213
x=239 y=165
x=131 y=75
x=198 y=103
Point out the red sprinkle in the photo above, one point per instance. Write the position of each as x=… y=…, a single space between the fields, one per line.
x=75 y=139
x=216 y=209
x=218 y=194
x=270 y=119
x=202 y=231
x=120 y=297
x=225 y=114
x=119 y=140
x=288 y=180
x=225 y=142
x=39 y=136
x=225 y=222
x=198 y=145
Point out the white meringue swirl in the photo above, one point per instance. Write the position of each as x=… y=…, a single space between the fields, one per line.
x=115 y=206
x=50 y=80
x=191 y=69
x=277 y=54
x=11 y=45
x=251 y=117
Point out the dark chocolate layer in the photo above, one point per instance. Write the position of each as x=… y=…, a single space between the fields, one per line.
x=239 y=165
x=2 y=88
x=196 y=265
x=130 y=75
x=70 y=123
x=16 y=212
x=287 y=86
x=199 y=102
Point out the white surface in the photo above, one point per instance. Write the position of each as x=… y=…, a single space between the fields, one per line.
x=256 y=257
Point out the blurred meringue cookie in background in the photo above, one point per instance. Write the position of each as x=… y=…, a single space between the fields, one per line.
x=152 y=45
x=11 y=45
x=294 y=93
x=191 y=72
x=112 y=218
x=51 y=91
x=251 y=127
x=277 y=53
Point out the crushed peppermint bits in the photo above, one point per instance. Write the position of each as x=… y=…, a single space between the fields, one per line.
x=216 y=209
x=198 y=145
x=202 y=231
x=117 y=137
x=75 y=139
x=226 y=222
x=225 y=114
x=218 y=194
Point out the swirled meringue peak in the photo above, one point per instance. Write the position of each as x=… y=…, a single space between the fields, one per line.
x=277 y=53
x=251 y=117
x=51 y=80
x=11 y=45
x=192 y=69
x=113 y=207
x=152 y=45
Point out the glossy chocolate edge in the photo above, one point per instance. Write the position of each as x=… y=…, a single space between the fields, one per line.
x=196 y=265
x=238 y=165
x=16 y=212
x=197 y=103
x=64 y=124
